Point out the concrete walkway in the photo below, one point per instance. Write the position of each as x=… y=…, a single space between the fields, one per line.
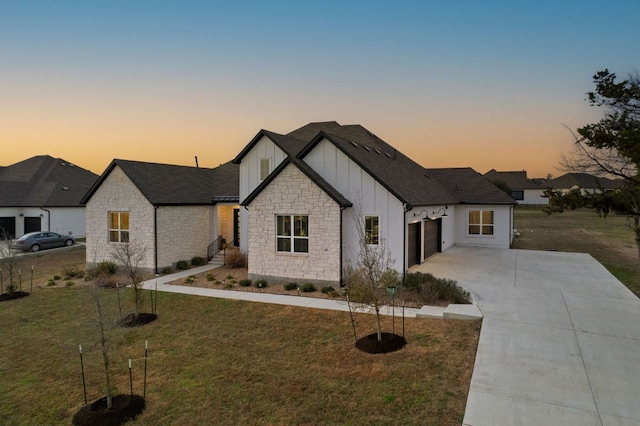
x=278 y=299
x=560 y=339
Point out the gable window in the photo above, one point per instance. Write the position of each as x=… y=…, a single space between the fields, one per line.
x=517 y=195
x=119 y=227
x=372 y=230
x=480 y=222
x=265 y=168
x=292 y=233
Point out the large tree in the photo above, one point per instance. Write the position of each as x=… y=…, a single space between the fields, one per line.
x=612 y=145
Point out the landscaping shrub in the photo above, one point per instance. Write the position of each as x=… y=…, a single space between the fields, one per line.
x=182 y=265
x=71 y=272
x=229 y=277
x=235 y=259
x=229 y=285
x=245 y=283
x=308 y=288
x=291 y=286
x=190 y=279
x=56 y=277
x=328 y=290
x=166 y=270
x=51 y=282
x=433 y=289
x=260 y=284
x=105 y=267
x=68 y=283
x=211 y=277
x=197 y=261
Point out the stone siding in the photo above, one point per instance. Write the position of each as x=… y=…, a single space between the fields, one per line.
x=184 y=232
x=118 y=193
x=293 y=193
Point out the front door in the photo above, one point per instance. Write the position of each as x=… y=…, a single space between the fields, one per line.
x=236 y=227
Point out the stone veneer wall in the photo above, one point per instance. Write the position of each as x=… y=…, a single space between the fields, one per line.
x=118 y=193
x=184 y=232
x=291 y=192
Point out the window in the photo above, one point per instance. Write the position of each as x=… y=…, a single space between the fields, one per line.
x=119 y=227
x=517 y=195
x=292 y=233
x=480 y=222
x=265 y=168
x=371 y=230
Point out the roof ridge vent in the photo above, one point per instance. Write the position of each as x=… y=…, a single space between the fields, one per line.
x=377 y=151
x=354 y=144
x=387 y=154
x=367 y=148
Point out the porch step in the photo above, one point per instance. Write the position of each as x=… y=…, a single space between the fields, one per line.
x=461 y=312
x=217 y=260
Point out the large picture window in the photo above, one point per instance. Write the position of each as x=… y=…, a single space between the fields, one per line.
x=480 y=222
x=119 y=227
x=372 y=230
x=292 y=233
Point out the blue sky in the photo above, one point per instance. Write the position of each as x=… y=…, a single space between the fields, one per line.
x=483 y=84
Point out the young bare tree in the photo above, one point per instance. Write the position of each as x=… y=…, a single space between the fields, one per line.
x=370 y=271
x=129 y=256
x=103 y=329
x=8 y=260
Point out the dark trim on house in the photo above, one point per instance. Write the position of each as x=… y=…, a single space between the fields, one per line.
x=155 y=238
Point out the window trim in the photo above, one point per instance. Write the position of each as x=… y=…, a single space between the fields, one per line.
x=119 y=230
x=375 y=230
x=292 y=238
x=481 y=225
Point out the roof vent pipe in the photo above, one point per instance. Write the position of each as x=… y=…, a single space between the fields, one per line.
x=196 y=162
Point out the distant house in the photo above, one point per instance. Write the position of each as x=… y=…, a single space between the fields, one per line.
x=306 y=193
x=522 y=189
x=172 y=212
x=43 y=193
x=588 y=184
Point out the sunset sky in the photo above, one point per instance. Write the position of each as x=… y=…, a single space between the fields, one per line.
x=485 y=84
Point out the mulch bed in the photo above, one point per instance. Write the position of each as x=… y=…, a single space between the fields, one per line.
x=124 y=408
x=14 y=295
x=142 y=319
x=390 y=343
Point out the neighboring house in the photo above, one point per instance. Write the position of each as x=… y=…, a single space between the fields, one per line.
x=305 y=194
x=171 y=212
x=589 y=184
x=43 y=193
x=522 y=189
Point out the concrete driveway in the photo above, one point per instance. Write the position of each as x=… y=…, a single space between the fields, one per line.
x=560 y=339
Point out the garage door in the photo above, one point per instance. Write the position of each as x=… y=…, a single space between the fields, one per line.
x=413 y=239
x=8 y=225
x=31 y=224
x=432 y=238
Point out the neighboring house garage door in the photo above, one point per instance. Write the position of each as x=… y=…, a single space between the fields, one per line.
x=413 y=238
x=31 y=224
x=8 y=225
x=432 y=238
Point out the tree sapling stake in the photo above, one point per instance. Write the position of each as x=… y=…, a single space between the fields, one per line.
x=84 y=386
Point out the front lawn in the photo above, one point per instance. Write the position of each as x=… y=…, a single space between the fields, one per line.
x=214 y=361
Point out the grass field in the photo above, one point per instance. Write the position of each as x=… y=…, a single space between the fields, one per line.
x=214 y=361
x=609 y=240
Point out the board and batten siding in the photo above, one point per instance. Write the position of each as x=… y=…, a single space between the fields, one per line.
x=118 y=193
x=368 y=196
x=293 y=193
x=250 y=175
x=503 y=226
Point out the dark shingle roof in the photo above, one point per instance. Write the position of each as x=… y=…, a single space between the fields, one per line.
x=583 y=180
x=515 y=180
x=165 y=184
x=469 y=186
x=289 y=145
x=44 y=181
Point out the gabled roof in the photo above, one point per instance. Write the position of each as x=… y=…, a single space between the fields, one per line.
x=469 y=186
x=289 y=145
x=166 y=184
x=583 y=180
x=309 y=172
x=515 y=180
x=44 y=181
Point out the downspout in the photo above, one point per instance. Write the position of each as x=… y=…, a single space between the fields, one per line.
x=407 y=207
x=155 y=238
x=48 y=218
x=341 y=249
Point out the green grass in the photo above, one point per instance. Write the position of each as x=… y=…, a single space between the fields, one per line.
x=215 y=361
x=610 y=240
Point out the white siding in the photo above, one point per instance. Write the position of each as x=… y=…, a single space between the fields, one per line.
x=64 y=220
x=534 y=196
x=250 y=175
x=366 y=194
x=503 y=227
